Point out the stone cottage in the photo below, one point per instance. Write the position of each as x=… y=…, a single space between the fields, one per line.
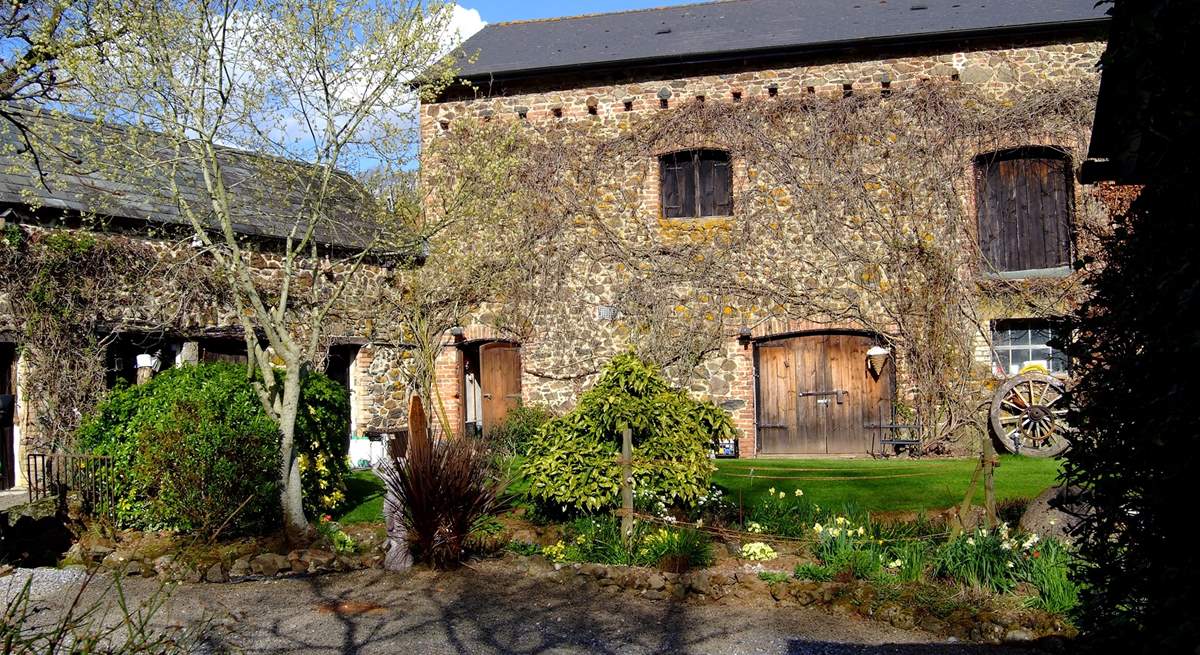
x=124 y=289
x=797 y=382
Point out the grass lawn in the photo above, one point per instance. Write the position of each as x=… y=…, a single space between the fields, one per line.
x=895 y=485
x=882 y=485
x=364 y=494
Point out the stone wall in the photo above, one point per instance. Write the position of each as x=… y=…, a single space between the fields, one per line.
x=186 y=302
x=570 y=343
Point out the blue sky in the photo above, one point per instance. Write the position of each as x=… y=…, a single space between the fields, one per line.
x=495 y=11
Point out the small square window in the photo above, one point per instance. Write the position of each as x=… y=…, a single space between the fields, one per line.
x=1024 y=344
x=696 y=183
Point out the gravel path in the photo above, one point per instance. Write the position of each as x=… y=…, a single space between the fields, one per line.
x=45 y=583
x=492 y=610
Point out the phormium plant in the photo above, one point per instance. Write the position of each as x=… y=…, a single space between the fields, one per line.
x=442 y=490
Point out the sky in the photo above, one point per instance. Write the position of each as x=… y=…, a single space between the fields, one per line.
x=471 y=15
x=495 y=11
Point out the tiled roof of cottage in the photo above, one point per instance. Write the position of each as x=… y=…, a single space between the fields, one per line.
x=115 y=179
x=746 y=28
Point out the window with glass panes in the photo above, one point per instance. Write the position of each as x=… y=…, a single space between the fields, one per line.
x=1018 y=343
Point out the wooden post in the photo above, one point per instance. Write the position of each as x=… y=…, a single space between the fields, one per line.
x=959 y=523
x=626 y=483
x=989 y=489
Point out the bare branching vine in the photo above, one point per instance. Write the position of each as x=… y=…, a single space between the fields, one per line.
x=848 y=212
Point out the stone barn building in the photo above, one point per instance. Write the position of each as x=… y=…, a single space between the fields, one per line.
x=178 y=312
x=795 y=384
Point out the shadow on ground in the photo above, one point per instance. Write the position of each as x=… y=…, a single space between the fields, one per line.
x=488 y=611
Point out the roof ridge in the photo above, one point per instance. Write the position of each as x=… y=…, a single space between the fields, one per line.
x=554 y=19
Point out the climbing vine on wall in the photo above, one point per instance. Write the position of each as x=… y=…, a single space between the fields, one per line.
x=70 y=292
x=852 y=211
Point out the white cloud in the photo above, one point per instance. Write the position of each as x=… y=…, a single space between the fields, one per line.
x=464 y=23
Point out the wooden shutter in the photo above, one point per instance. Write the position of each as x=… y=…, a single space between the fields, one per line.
x=677 y=175
x=1023 y=210
x=715 y=183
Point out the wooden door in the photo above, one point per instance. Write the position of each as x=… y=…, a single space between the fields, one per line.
x=816 y=395
x=499 y=381
x=777 y=422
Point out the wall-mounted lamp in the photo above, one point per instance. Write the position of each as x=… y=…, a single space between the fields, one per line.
x=744 y=336
x=457 y=333
x=877 y=359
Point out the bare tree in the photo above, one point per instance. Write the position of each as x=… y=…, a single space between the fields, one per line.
x=274 y=106
x=37 y=41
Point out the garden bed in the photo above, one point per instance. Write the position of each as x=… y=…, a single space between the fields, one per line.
x=930 y=607
x=171 y=556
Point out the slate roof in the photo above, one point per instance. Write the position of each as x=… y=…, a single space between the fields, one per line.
x=268 y=194
x=739 y=28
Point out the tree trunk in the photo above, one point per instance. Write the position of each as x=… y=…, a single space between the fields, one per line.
x=290 y=494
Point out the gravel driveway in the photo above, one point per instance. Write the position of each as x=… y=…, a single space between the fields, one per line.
x=492 y=610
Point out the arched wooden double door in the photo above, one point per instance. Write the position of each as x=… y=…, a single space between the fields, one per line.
x=817 y=396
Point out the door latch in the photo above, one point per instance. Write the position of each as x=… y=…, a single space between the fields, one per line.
x=839 y=394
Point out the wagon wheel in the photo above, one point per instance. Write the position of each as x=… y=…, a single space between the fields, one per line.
x=1029 y=415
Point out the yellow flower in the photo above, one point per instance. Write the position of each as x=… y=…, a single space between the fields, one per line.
x=817 y=527
x=799 y=493
x=771 y=491
x=861 y=531
x=782 y=495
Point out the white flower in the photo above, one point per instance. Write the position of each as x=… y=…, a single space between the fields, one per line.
x=817 y=527
x=895 y=564
x=861 y=531
x=799 y=493
x=782 y=495
x=771 y=491
x=1010 y=565
x=970 y=541
x=1006 y=545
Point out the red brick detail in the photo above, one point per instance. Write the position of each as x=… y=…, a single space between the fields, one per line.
x=447 y=382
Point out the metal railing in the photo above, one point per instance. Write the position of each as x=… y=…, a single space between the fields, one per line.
x=89 y=480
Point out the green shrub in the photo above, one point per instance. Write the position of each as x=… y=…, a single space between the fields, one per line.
x=773 y=576
x=915 y=557
x=322 y=439
x=572 y=463
x=1049 y=570
x=519 y=428
x=598 y=539
x=194 y=443
x=814 y=572
x=983 y=559
x=844 y=547
x=786 y=513
x=190 y=447
x=677 y=549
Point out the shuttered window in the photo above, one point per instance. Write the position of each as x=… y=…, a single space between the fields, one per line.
x=696 y=183
x=1023 y=205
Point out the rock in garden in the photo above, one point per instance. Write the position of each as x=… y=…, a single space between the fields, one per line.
x=215 y=573
x=240 y=568
x=1053 y=513
x=163 y=563
x=1018 y=634
x=116 y=559
x=269 y=564
x=98 y=553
